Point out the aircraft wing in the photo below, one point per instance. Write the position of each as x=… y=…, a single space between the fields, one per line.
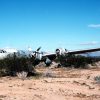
x=51 y=56
x=84 y=51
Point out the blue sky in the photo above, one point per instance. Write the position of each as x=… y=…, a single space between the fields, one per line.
x=72 y=24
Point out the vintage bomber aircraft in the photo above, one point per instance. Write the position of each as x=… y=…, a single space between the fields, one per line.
x=41 y=56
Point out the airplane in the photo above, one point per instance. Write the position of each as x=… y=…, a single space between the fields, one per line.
x=35 y=57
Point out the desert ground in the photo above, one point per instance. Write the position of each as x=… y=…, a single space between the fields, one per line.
x=53 y=84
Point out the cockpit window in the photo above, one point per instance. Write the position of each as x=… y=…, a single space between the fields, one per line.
x=2 y=51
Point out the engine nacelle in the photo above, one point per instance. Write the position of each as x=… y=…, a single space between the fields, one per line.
x=37 y=55
x=61 y=51
x=48 y=62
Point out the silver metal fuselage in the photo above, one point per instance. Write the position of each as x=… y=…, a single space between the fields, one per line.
x=5 y=52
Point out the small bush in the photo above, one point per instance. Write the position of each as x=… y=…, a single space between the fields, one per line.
x=48 y=73
x=97 y=79
x=76 y=60
x=11 y=65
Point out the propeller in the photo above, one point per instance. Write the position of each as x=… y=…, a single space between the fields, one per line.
x=35 y=53
x=38 y=49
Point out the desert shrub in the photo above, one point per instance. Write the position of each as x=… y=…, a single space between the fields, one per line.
x=97 y=79
x=11 y=65
x=76 y=60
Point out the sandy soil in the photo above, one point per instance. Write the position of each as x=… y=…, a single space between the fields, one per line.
x=61 y=84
